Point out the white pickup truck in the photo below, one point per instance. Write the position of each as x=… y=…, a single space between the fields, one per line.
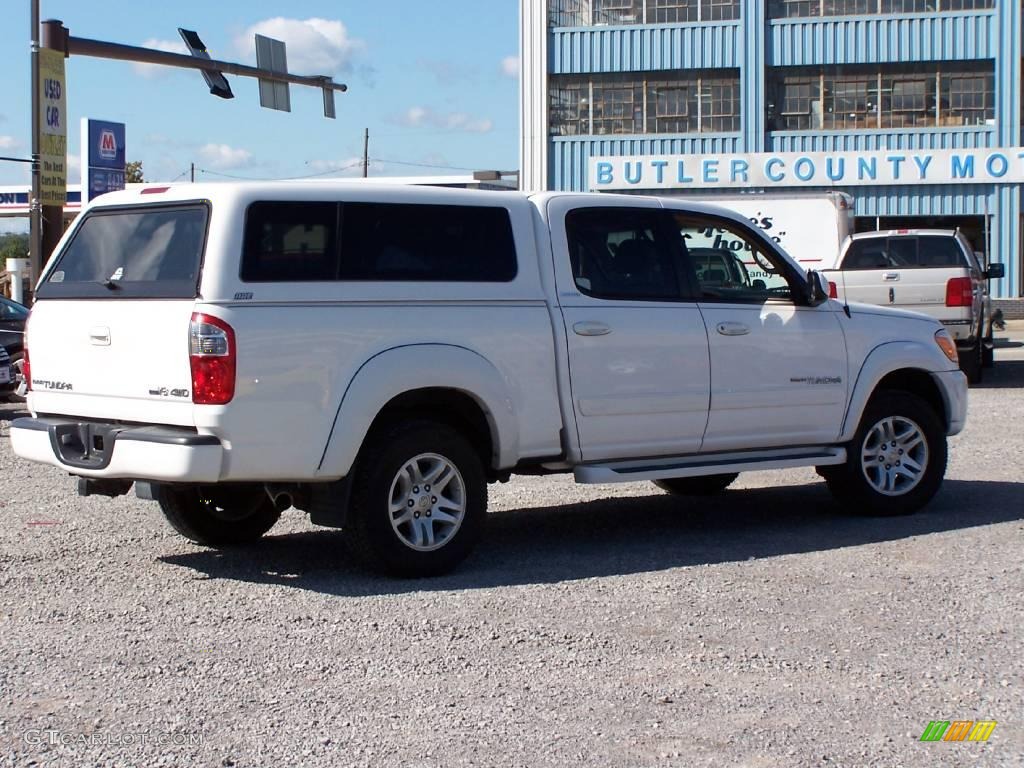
x=926 y=270
x=375 y=355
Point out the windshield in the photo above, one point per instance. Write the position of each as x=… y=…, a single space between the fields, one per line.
x=141 y=252
x=904 y=252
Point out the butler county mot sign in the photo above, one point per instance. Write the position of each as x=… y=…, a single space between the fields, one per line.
x=810 y=169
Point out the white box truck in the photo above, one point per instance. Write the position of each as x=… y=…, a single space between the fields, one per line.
x=810 y=226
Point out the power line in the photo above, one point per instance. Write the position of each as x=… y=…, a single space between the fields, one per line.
x=281 y=178
x=422 y=165
x=339 y=169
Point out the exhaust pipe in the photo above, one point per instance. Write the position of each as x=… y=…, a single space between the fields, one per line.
x=280 y=497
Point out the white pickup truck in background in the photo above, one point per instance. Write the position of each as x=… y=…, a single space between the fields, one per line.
x=935 y=272
x=375 y=355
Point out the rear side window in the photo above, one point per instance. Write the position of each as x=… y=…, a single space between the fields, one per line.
x=621 y=254
x=904 y=252
x=316 y=242
x=139 y=252
x=291 y=241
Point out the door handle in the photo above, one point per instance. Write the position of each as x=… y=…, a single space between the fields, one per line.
x=100 y=336
x=891 y=276
x=733 y=329
x=591 y=329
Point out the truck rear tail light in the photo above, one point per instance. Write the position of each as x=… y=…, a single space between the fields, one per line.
x=959 y=292
x=211 y=350
x=833 y=292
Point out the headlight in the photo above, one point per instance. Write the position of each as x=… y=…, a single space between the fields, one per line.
x=947 y=345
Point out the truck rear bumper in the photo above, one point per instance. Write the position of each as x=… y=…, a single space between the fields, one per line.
x=953 y=385
x=98 y=449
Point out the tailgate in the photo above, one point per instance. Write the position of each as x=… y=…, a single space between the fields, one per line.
x=910 y=271
x=920 y=290
x=123 y=360
x=108 y=336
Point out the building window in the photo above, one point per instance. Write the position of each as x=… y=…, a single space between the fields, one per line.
x=862 y=97
x=589 y=13
x=971 y=98
x=789 y=9
x=799 y=106
x=674 y=11
x=908 y=101
x=617 y=107
x=618 y=11
x=850 y=102
x=672 y=108
x=719 y=105
x=632 y=104
x=719 y=10
x=570 y=109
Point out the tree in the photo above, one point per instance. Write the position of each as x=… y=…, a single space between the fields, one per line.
x=13 y=246
x=133 y=172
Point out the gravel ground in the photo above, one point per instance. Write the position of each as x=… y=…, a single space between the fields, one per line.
x=606 y=626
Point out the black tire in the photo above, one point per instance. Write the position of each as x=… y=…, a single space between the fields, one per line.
x=849 y=483
x=218 y=515
x=17 y=363
x=972 y=362
x=377 y=487
x=708 y=485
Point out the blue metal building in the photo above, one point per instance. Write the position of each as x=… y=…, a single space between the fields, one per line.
x=804 y=81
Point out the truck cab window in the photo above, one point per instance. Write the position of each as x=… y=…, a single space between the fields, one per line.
x=730 y=264
x=621 y=253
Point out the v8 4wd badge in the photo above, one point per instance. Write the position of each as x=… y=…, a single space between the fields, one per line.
x=165 y=392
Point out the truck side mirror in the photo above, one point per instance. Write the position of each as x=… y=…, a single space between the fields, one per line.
x=817 y=288
x=995 y=271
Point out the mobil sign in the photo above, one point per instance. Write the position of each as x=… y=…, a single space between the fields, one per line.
x=103 y=157
x=108 y=144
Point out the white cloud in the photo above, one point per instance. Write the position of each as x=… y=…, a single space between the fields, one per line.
x=417 y=117
x=510 y=66
x=224 y=156
x=155 y=70
x=74 y=168
x=8 y=142
x=315 y=46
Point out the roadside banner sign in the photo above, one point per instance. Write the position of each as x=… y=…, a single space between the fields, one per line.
x=103 y=157
x=53 y=147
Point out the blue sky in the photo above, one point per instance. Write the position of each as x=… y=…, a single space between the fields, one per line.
x=436 y=84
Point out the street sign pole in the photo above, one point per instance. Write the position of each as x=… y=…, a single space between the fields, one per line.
x=34 y=210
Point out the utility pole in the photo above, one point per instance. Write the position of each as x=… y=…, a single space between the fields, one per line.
x=366 y=153
x=52 y=216
x=35 y=241
x=192 y=167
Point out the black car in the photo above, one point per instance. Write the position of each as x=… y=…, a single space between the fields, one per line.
x=12 y=337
